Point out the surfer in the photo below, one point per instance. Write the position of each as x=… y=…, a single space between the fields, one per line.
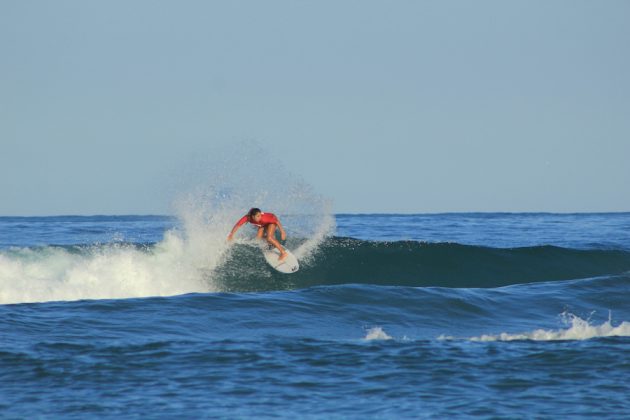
x=266 y=223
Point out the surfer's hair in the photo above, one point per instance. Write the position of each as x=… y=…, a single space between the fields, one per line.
x=253 y=212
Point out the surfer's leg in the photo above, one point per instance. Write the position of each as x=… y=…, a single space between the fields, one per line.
x=260 y=232
x=271 y=238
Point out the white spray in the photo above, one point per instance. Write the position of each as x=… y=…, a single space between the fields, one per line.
x=225 y=187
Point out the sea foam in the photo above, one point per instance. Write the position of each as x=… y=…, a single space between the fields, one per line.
x=376 y=333
x=578 y=329
x=173 y=266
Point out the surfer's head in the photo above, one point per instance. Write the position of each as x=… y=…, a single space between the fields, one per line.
x=254 y=214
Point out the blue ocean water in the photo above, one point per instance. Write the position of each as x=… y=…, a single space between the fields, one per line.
x=390 y=316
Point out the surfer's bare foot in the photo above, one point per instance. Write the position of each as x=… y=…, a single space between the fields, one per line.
x=282 y=256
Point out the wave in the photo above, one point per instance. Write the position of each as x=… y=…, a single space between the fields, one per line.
x=203 y=262
x=188 y=256
x=588 y=308
x=408 y=263
x=184 y=261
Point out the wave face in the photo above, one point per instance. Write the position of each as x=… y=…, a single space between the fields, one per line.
x=409 y=263
x=196 y=264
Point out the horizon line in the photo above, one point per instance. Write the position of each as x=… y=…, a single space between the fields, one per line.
x=336 y=214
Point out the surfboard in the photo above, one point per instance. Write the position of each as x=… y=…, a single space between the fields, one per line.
x=288 y=265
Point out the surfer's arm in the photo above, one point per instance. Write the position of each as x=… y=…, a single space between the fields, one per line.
x=236 y=227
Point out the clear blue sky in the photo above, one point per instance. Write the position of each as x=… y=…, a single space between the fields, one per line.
x=401 y=106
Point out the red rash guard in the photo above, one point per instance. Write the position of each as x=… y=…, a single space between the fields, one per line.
x=265 y=220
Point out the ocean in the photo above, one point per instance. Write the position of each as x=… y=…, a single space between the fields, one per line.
x=488 y=315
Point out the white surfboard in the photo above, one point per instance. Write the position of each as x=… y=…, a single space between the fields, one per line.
x=288 y=265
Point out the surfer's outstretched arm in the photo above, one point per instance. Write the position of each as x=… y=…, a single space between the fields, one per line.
x=231 y=235
x=236 y=227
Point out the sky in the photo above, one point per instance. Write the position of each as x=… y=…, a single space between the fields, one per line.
x=381 y=106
